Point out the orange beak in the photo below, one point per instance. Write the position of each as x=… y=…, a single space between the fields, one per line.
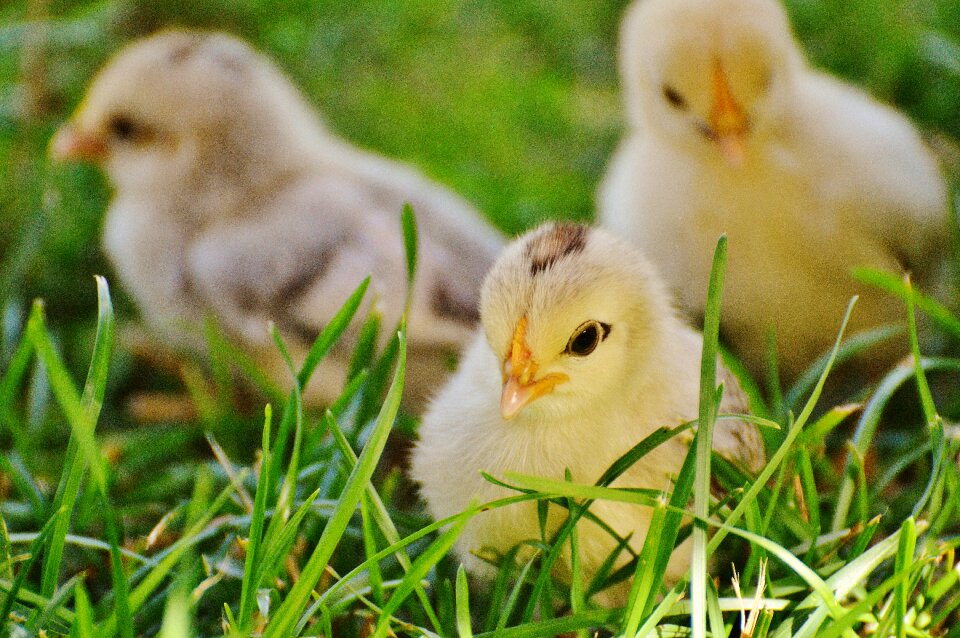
x=520 y=387
x=727 y=119
x=71 y=144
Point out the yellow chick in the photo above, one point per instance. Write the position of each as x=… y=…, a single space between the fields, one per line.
x=580 y=357
x=232 y=198
x=730 y=131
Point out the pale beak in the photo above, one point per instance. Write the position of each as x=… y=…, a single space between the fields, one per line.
x=72 y=144
x=727 y=119
x=520 y=387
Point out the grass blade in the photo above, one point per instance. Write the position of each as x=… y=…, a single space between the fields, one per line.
x=290 y=609
x=92 y=401
x=464 y=630
x=331 y=333
x=430 y=557
x=162 y=568
x=709 y=399
x=34 y=552
x=904 y=563
x=901 y=288
x=250 y=584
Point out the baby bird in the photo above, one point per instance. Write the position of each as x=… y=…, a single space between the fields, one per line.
x=232 y=198
x=731 y=131
x=580 y=357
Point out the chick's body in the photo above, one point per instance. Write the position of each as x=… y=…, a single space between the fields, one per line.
x=731 y=132
x=233 y=199
x=641 y=373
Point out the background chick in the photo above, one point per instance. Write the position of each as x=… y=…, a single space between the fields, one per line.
x=232 y=199
x=581 y=356
x=731 y=131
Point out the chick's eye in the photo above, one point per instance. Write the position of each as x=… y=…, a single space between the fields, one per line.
x=123 y=128
x=586 y=338
x=673 y=96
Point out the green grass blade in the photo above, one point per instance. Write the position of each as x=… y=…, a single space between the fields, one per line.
x=645 y=582
x=557 y=488
x=158 y=572
x=10 y=382
x=856 y=344
x=902 y=289
x=464 y=629
x=430 y=557
x=870 y=419
x=557 y=626
x=370 y=548
x=364 y=353
x=658 y=546
x=714 y=612
x=660 y=611
x=67 y=396
x=842 y=625
x=55 y=603
x=846 y=579
x=6 y=548
x=290 y=609
x=408 y=222
x=92 y=401
x=83 y=624
x=226 y=354
x=577 y=599
x=33 y=552
x=703 y=441
x=904 y=563
x=773 y=463
x=934 y=423
x=380 y=514
x=511 y=602
x=176 y=615
x=331 y=333
x=278 y=546
x=926 y=399
x=248 y=589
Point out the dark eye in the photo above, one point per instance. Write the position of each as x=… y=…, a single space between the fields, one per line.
x=586 y=338
x=123 y=128
x=673 y=96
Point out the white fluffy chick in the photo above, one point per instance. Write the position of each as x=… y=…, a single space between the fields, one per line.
x=730 y=131
x=233 y=199
x=580 y=357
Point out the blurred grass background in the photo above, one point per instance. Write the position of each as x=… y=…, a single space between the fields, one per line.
x=513 y=104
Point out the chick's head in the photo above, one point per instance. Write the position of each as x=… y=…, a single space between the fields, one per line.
x=714 y=76
x=180 y=104
x=571 y=314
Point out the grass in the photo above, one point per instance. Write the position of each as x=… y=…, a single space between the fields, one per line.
x=281 y=521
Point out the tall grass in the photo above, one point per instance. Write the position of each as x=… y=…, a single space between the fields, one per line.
x=326 y=546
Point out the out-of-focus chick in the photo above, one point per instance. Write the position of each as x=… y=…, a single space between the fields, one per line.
x=233 y=199
x=730 y=131
x=581 y=356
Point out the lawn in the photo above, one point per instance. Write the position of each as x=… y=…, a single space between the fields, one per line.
x=297 y=521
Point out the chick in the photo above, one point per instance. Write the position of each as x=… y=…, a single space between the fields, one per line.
x=731 y=131
x=580 y=357
x=232 y=198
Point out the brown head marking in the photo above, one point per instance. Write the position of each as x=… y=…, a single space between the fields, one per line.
x=551 y=246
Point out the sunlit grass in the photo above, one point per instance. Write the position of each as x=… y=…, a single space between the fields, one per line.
x=296 y=559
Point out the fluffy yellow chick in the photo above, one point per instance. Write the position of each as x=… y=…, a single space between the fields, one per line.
x=731 y=131
x=580 y=357
x=232 y=198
